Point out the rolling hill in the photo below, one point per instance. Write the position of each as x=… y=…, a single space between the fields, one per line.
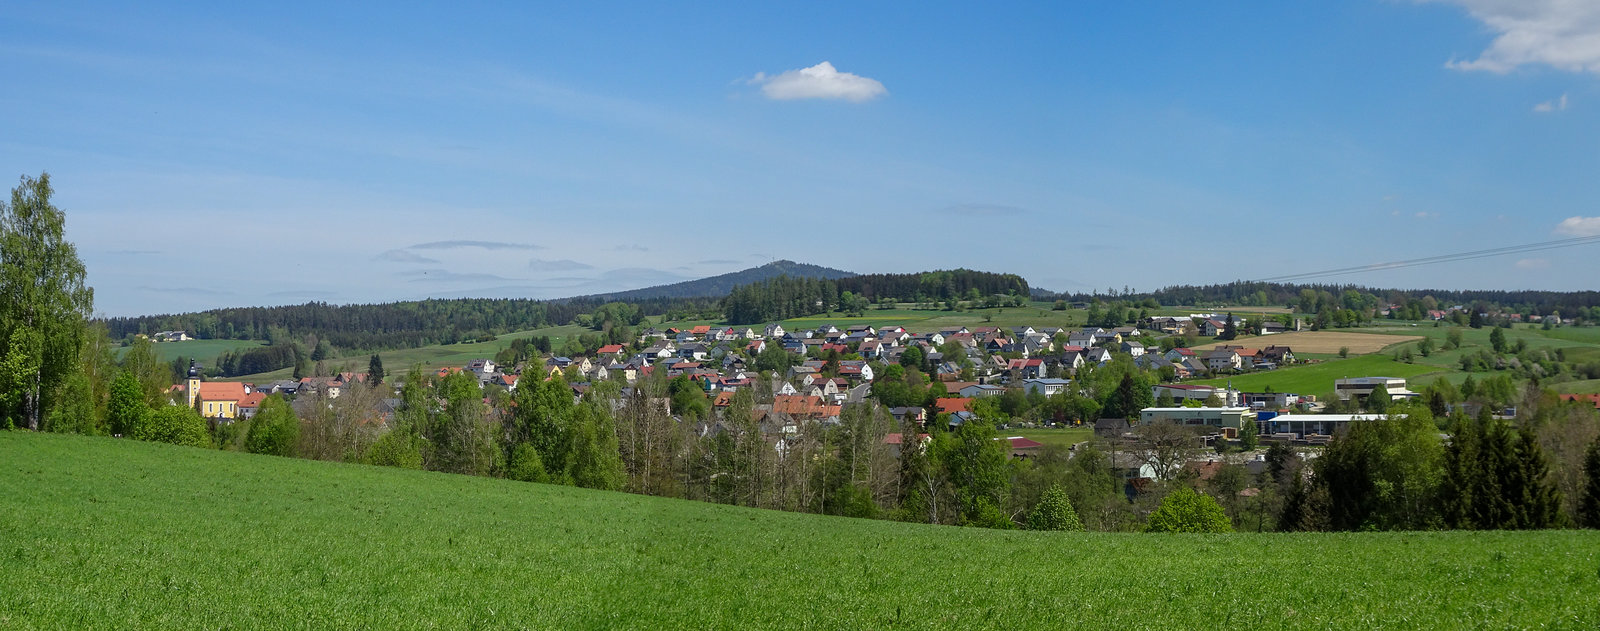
x=102 y=532
x=719 y=286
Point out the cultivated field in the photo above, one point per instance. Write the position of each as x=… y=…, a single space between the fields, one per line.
x=1317 y=379
x=1321 y=342
x=205 y=351
x=107 y=533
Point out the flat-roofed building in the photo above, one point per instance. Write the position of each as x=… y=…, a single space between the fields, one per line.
x=1212 y=417
x=1360 y=387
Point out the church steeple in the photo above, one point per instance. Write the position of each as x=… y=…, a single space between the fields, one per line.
x=192 y=385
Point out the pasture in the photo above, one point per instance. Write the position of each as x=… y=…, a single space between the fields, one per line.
x=1317 y=379
x=1320 y=342
x=103 y=533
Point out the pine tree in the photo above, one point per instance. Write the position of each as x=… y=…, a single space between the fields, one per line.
x=1543 y=499
x=1461 y=471
x=1589 y=507
x=375 y=370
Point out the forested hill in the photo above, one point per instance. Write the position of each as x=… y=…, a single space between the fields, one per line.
x=1304 y=297
x=721 y=285
x=784 y=297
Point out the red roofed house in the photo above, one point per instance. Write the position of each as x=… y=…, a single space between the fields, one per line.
x=803 y=406
x=251 y=403
x=1591 y=398
x=1023 y=447
x=611 y=349
x=700 y=330
x=953 y=405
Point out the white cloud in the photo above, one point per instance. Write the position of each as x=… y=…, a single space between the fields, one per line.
x=1564 y=34
x=1533 y=263
x=1425 y=215
x=562 y=265
x=403 y=256
x=821 y=81
x=1557 y=105
x=1579 y=226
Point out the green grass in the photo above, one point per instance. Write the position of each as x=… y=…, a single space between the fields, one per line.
x=396 y=362
x=1586 y=386
x=107 y=533
x=205 y=351
x=1317 y=379
x=1065 y=437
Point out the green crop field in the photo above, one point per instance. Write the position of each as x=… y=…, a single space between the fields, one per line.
x=1317 y=379
x=396 y=362
x=1063 y=436
x=108 y=533
x=205 y=351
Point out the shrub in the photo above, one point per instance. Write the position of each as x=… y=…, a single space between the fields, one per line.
x=1188 y=511
x=1054 y=512
x=174 y=424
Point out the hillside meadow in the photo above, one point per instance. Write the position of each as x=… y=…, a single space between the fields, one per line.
x=101 y=533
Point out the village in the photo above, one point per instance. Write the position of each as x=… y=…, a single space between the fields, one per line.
x=827 y=368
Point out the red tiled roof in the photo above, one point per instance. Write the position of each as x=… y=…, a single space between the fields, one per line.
x=252 y=400
x=953 y=405
x=1592 y=398
x=1018 y=442
x=898 y=438
x=221 y=391
x=801 y=405
x=610 y=349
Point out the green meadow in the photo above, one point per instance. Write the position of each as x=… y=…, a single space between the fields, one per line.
x=109 y=533
x=204 y=351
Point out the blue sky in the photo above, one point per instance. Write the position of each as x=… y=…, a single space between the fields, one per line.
x=242 y=155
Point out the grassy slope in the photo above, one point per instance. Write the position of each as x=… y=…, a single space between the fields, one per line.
x=1318 y=379
x=98 y=532
x=206 y=351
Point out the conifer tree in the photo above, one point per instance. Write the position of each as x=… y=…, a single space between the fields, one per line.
x=1589 y=507
x=1543 y=499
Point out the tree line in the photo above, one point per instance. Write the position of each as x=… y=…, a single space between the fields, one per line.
x=786 y=297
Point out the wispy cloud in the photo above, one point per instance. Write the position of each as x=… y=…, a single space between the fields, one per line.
x=1579 y=226
x=1563 y=34
x=403 y=256
x=303 y=293
x=487 y=245
x=821 y=81
x=1556 y=105
x=631 y=247
x=561 y=265
x=1532 y=264
x=447 y=276
x=188 y=291
x=984 y=210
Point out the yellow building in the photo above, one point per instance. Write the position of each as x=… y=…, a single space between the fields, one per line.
x=214 y=399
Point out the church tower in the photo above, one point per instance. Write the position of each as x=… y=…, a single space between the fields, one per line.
x=193 y=384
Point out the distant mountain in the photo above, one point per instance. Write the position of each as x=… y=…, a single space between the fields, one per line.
x=719 y=286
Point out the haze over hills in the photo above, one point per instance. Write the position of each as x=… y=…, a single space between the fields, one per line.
x=720 y=285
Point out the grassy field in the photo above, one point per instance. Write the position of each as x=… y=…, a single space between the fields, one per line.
x=1065 y=437
x=1585 y=386
x=206 y=351
x=1320 y=342
x=100 y=533
x=1317 y=379
x=440 y=355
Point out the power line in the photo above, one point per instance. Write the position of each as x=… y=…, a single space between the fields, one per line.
x=1443 y=258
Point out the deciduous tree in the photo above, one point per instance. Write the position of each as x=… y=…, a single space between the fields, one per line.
x=43 y=301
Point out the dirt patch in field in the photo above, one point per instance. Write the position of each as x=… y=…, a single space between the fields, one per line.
x=1321 y=341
